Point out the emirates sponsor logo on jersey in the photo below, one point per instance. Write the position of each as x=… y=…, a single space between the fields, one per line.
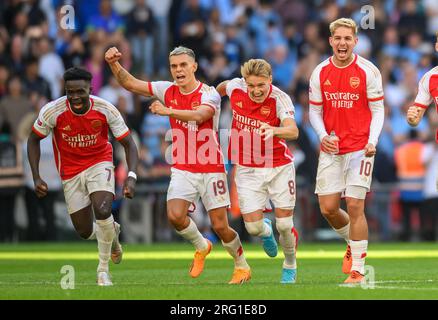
x=244 y=122
x=342 y=99
x=80 y=140
x=265 y=111
x=354 y=82
x=342 y=96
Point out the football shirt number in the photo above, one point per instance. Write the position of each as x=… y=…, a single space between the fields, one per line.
x=365 y=168
x=291 y=187
x=219 y=187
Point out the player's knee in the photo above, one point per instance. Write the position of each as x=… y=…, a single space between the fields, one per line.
x=220 y=229
x=254 y=228
x=175 y=217
x=329 y=210
x=284 y=224
x=103 y=213
x=355 y=207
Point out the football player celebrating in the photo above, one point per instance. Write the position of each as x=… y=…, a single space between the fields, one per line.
x=346 y=111
x=79 y=124
x=198 y=168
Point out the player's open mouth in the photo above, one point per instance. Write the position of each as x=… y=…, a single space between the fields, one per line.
x=342 y=52
x=180 y=77
x=257 y=96
x=77 y=105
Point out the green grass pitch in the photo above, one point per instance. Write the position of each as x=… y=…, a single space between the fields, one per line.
x=160 y=272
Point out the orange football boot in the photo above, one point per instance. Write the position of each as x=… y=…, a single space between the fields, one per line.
x=240 y=276
x=355 y=278
x=348 y=261
x=198 y=261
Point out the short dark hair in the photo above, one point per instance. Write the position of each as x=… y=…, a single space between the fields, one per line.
x=76 y=73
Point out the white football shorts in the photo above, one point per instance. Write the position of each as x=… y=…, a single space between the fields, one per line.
x=212 y=188
x=350 y=174
x=77 y=190
x=256 y=186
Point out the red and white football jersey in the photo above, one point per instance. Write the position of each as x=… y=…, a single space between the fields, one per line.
x=195 y=148
x=428 y=91
x=344 y=94
x=80 y=140
x=246 y=146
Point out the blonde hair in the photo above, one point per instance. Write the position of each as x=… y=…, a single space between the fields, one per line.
x=256 y=67
x=343 y=22
x=182 y=50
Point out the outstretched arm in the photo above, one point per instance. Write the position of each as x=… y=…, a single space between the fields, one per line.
x=125 y=79
x=200 y=115
x=131 y=154
x=34 y=154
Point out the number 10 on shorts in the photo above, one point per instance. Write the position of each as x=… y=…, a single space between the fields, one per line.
x=365 y=168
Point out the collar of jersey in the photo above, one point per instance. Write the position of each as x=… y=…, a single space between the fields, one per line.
x=77 y=114
x=351 y=63
x=194 y=90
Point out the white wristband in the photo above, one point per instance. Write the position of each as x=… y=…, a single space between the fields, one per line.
x=132 y=174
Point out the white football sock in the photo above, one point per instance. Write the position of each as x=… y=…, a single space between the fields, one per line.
x=358 y=254
x=344 y=232
x=105 y=233
x=235 y=249
x=192 y=234
x=287 y=241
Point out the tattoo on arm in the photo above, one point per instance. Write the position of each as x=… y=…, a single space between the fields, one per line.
x=123 y=76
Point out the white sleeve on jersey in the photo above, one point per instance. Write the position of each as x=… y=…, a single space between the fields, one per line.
x=46 y=120
x=315 y=118
x=158 y=89
x=315 y=96
x=115 y=120
x=236 y=83
x=377 y=119
x=374 y=84
x=424 y=98
x=285 y=107
x=211 y=97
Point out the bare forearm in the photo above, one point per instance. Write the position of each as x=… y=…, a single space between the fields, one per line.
x=287 y=133
x=131 y=153
x=34 y=154
x=132 y=158
x=124 y=78
x=185 y=115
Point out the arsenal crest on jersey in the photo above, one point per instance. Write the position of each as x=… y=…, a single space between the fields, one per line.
x=96 y=125
x=195 y=105
x=354 y=82
x=265 y=111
